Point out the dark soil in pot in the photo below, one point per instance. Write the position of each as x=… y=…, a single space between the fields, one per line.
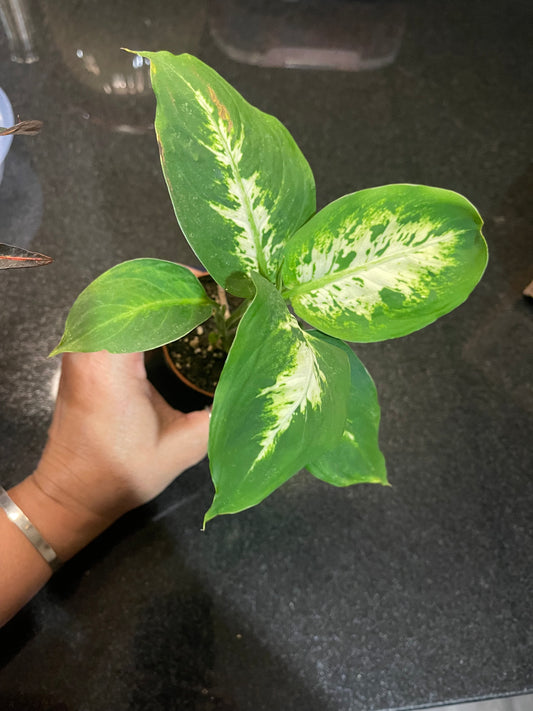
x=188 y=372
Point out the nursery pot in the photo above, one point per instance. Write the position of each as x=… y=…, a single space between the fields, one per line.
x=186 y=372
x=167 y=354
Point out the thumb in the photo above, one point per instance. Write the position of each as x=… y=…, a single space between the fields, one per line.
x=184 y=440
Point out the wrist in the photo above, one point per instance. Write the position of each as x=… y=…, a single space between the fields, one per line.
x=66 y=526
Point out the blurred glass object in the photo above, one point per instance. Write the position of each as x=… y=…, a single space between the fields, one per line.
x=21 y=201
x=6 y=120
x=348 y=35
x=115 y=89
x=16 y=21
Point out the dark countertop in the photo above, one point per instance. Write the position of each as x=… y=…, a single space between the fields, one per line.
x=320 y=599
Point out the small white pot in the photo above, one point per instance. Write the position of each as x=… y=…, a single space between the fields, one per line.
x=6 y=120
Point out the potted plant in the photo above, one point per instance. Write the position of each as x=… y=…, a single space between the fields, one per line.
x=375 y=264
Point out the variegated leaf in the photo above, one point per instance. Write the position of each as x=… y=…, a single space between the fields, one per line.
x=384 y=262
x=135 y=306
x=281 y=401
x=239 y=184
x=357 y=458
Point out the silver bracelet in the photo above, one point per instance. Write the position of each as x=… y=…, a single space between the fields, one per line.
x=20 y=519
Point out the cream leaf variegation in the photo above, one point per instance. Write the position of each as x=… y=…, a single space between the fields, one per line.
x=290 y=404
x=246 y=211
x=384 y=262
x=239 y=184
x=298 y=387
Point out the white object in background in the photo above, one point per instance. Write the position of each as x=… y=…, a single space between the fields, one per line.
x=511 y=703
x=16 y=20
x=6 y=120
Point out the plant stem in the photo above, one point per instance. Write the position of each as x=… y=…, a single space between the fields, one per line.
x=236 y=316
x=225 y=320
x=223 y=301
x=219 y=314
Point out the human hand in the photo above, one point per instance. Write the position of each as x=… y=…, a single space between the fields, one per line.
x=114 y=444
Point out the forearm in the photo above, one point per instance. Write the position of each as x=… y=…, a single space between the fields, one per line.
x=23 y=570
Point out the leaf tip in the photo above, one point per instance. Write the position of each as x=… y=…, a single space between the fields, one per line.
x=209 y=516
x=381 y=476
x=56 y=351
x=217 y=508
x=139 y=53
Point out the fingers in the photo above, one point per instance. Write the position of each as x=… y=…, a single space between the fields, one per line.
x=103 y=382
x=118 y=430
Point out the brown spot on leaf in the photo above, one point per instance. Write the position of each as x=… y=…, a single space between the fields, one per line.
x=222 y=110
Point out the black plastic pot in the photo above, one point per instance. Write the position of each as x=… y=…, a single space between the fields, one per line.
x=175 y=391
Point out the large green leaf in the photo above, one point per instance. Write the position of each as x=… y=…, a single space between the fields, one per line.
x=281 y=402
x=357 y=458
x=384 y=262
x=239 y=184
x=135 y=306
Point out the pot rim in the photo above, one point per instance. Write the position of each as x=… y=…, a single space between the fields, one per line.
x=170 y=363
x=198 y=273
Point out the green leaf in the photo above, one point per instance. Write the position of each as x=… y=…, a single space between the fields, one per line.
x=357 y=458
x=281 y=402
x=384 y=262
x=135 y=306
x=239 y=184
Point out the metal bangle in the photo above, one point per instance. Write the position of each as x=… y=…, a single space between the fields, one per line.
x=20 y=519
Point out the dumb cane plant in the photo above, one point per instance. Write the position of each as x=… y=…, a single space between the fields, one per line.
x=372 y=265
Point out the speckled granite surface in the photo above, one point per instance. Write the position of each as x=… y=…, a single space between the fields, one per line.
x=320 y=599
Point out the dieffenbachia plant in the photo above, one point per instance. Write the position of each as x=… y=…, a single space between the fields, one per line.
x=375 y=264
